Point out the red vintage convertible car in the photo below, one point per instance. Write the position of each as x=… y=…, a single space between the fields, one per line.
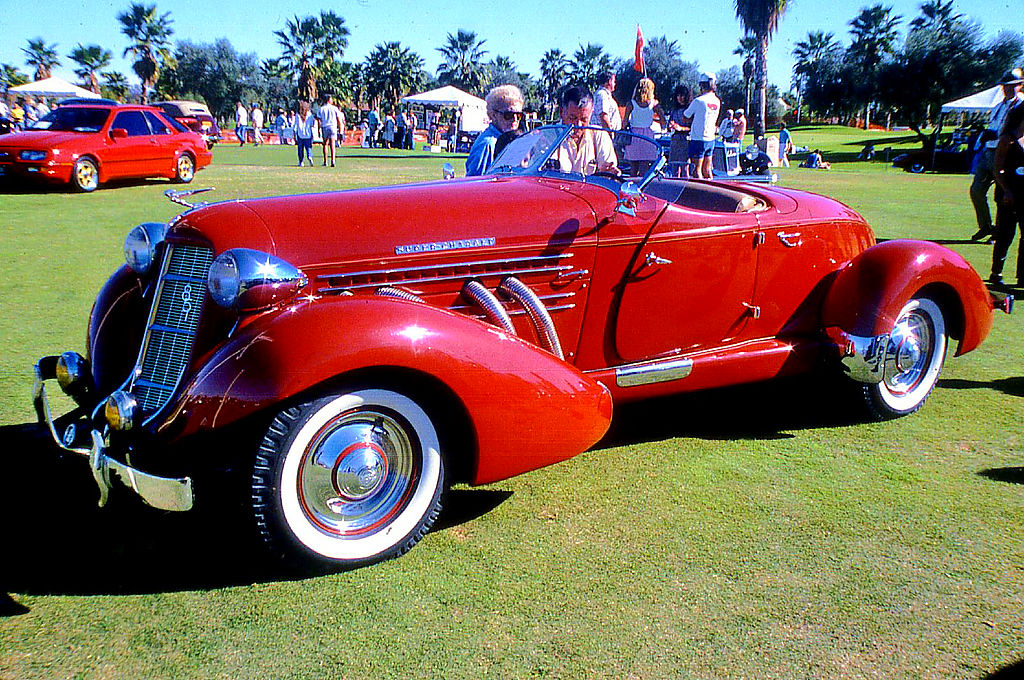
x=355 y=352
x=86 y=145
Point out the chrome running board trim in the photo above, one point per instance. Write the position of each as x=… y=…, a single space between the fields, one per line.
x=647 y=372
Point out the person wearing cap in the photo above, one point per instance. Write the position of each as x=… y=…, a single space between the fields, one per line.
x=703 y=116
x=985 y=161
x=1009 y=177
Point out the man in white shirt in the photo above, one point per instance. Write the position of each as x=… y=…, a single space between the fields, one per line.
x=606 y=109
x=703 y=114
x=330 y=122
x=584 y=151
x=725 y=128
x=984 y=170
x=241 y=122
x=257 y=124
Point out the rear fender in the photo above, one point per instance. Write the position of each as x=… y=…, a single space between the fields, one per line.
x=868 y=293
x=527 y=408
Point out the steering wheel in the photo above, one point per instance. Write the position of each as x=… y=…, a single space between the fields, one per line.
x=618 y=177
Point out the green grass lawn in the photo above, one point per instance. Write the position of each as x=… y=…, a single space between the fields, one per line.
x=761 y=532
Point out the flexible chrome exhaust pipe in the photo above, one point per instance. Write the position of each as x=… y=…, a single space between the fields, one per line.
x=489 y=302
x=391 y=291
x=521 y=293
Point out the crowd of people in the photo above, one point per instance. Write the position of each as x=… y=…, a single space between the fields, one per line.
x=23 y=111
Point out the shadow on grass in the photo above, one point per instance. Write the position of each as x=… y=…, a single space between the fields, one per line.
x=57 y=541
x=1011 y=386
x=1010 y=475
x=762 y=411
x=1014 y=671
x=17 y=186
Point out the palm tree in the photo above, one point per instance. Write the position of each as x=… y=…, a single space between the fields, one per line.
x=809 y=55
x=150 y=34
x=760 y=19
x=463 y=58
x=311 y=43
x=875 y=34
x=91 y=59
x=115 y=86
x=554 y=71
x=936 y=15
x=41 y=57
x=747 y=49
x=391 y=72
x=10 y=77
x=588 y=63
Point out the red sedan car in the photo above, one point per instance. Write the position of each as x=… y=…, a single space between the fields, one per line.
x=86 y=145
x=352 y=353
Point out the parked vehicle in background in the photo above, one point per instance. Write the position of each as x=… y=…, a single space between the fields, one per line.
x=87 y=145
x=470 y=330
x=195 y=117
x=949 y=159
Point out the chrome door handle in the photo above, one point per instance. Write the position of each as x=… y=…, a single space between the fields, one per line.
x=653 y=259
x=790 y=240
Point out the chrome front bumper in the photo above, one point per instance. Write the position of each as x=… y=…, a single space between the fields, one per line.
x=166 y=493
x=864 y=358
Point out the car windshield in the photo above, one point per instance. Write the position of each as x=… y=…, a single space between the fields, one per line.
x=586 y=151
x=73 y=119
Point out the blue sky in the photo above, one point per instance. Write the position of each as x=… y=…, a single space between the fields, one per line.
x=706 y=30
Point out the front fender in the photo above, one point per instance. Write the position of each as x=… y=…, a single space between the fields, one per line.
x=528 y=409
x=868 y=293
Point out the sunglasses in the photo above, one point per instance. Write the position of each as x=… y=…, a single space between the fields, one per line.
x=510 y=115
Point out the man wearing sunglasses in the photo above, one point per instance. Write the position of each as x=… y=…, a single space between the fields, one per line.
x=505 y=109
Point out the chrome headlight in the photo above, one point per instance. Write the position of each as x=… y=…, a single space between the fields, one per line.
x=140 y=245
x=32 y=155
x=247 y=280
x=120 y=410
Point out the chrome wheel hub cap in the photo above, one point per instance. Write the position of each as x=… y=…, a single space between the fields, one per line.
x=909 y=348
x=358 y=472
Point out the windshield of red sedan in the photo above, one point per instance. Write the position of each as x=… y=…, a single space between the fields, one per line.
x=73 y=119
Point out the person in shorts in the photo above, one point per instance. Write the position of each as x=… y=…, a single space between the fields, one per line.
x=703 y=116
x=330 y=124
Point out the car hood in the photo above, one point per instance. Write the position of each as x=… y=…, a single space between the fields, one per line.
x=383 y=225
x=39 y=139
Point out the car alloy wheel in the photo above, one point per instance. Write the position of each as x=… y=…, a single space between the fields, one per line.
x=917 y=350
x=85 y=176
x=916 y=168
x=349 y=479
x=184 y=169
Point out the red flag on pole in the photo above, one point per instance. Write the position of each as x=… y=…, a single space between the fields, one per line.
x=638 y=62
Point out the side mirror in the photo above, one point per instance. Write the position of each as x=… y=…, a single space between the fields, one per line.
x=118 y=133
x=447 y=171
x=630 y=197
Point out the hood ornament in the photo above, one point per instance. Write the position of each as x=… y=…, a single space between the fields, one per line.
x=178 y=195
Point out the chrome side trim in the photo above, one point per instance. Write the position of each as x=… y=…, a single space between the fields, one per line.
x=864 y=357
x=451 y=265
x=647 y=372
x=451 y=277
x=165 y=493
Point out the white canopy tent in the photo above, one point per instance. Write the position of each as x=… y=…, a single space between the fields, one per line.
x=979 y=102
x=54 y=87
x=473 y=109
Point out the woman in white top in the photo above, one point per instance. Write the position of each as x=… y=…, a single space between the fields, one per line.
x=641 y=113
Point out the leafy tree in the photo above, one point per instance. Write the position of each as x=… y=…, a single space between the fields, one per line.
x=40 y=56
x=392 y=72
x=115 y=86
x=665 y=66
x=216 y=74
x=554 y=73
x=10 y=77
x=760 y=19
x=588 y=63
x=463 y=59
x=310 y=45
x=875 y=32
x=91 y=59
x=150 y=35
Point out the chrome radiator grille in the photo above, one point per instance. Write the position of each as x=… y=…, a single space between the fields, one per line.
x=173 y=320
